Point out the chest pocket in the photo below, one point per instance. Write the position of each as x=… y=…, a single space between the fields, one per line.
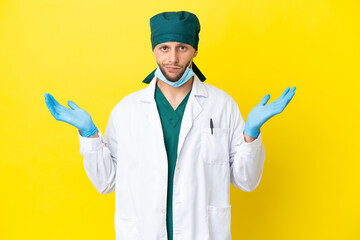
x=215 y=147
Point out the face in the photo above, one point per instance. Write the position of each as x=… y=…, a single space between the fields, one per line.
x=173 y=58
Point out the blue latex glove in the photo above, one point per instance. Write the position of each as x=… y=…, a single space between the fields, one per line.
x=261 y=113
x=75 y=116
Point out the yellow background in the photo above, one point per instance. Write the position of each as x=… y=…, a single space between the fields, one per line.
x=96 y=52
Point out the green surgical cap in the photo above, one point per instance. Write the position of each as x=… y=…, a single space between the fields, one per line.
x=175 y=27
x=179 y=26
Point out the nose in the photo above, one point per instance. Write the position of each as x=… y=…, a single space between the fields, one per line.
x=173 y=58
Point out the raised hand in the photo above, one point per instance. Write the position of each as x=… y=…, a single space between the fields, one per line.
x=261 y=113
x=75 y=116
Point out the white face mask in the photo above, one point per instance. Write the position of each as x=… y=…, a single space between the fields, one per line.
x=184 y=78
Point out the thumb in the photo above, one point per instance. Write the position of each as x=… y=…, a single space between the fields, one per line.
x=264 y=100
x=73 y=105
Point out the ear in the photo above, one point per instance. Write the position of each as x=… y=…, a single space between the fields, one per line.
x=195 y=53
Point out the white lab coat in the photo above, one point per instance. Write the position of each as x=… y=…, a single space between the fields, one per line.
x=131 y=159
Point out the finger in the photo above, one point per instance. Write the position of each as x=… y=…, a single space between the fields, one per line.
x=288 y=95
x=264 y=100
x=48 y=101
x=52 y=99
x=50 y=106
x=292 y=90
x=285 y=92
x=288 y=98
x=72 y=105
x=291 y=95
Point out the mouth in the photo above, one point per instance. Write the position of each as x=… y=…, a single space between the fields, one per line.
x=172 y=68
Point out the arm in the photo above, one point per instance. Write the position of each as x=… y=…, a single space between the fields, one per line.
x=247 y=155
x=100 y=157
x=99 y=154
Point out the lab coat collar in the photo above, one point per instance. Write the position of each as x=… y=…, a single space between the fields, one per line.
x=198 y=89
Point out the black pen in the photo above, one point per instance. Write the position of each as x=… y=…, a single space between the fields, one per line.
x=211 y=126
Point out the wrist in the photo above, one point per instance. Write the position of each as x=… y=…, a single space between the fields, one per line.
x=89 y=132
x=252 y=132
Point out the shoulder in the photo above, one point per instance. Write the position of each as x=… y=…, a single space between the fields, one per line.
x=130 y=101
x=217 y=94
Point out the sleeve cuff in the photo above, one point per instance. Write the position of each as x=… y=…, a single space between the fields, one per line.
x=90 y=144
x=251 y=146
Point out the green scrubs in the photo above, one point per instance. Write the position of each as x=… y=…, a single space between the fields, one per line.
x=171 y=122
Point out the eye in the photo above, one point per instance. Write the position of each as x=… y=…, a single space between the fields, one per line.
x=162 y=48
x=182 y=47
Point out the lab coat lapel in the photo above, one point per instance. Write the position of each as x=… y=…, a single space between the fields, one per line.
x=152 y=111
x=192 y=110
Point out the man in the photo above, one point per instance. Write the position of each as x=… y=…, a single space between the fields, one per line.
x=170 y=150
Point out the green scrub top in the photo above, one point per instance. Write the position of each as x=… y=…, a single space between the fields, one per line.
x=171 y=122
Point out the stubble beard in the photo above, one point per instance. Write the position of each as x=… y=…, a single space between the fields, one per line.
x=177 y=77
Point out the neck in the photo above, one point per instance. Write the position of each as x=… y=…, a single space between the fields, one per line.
x=175 y=93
